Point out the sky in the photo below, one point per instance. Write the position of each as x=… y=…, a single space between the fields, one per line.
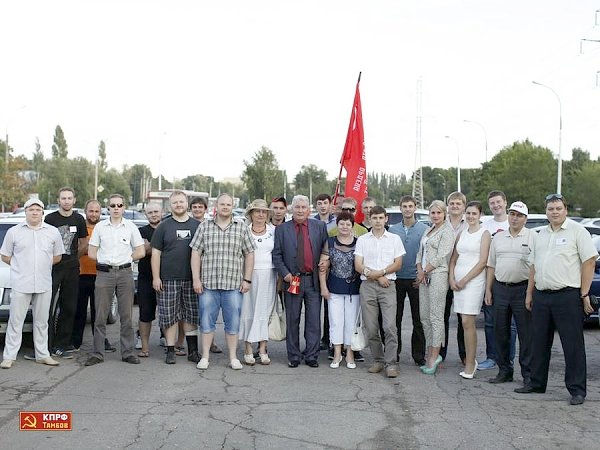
x=197 y=87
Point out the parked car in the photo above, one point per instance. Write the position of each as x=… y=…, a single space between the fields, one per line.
x=395 y=215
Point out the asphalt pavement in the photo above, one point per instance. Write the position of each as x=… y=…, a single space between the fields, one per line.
x=158 y=406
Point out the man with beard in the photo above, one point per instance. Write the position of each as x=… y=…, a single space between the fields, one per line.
x=65 y=274
x=172 y=277
x=87 y=281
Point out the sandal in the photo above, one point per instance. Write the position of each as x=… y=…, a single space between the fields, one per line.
x=143 y=354
x=249 y=359
x=180 y=351
x=264 y=359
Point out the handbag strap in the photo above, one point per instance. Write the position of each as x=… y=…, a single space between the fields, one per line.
x=358 y=319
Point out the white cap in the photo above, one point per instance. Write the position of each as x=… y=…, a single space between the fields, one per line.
x=519 y=207
x=33 y=201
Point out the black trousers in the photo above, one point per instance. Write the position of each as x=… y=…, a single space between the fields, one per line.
x=65 y=282
x=460 y=333
x=325 y=338
x=85 y=292
x=560 y=311
x=509 y=301
x=417 y=341
x=311 y=297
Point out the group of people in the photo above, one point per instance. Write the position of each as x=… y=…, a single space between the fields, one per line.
x=192 y=269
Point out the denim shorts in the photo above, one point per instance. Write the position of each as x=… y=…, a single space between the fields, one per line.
x=229 y=301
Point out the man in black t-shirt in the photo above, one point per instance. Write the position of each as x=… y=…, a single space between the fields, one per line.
x=65 y=274
x=146 y=295
x=172 y=277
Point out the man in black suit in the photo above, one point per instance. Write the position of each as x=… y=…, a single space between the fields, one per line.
x=298 y=245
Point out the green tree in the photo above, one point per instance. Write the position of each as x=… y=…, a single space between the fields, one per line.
x=583 y=191
x=262 y=175
x=59 y=148
x=312 y=179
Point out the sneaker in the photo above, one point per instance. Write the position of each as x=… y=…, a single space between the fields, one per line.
x=71 y=349
x=487 y=364
x=376 y=368
x=48 y=361
x=162 y=342
x=93 y=360
x=138 y=342
x=235 y=364
x=359 y=357
x=391 y=372
x=194 y=356
x=108 y=347
x=203 y=364
x=61 y=353
x=170 y=358
x=131 y=359
x=6 y=363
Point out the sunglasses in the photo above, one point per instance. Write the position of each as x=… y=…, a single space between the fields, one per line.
x=551 y=197
x=349 y=209
x=116 y=205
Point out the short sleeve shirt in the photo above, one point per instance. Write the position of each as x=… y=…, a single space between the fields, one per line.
x=71 y=229
x=173 y=239
x=115 y=243
x=223 y=252
x=509 y=256
x=31 y=251
x=558 y=255
x=144 y=266
x=378 y=253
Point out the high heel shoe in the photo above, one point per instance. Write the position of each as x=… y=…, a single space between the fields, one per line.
x=469 y=376
x=431 y=370
x=335 y=364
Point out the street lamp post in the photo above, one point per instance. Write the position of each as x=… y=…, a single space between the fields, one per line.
x=484 y=136
x=457 y=162
x=559 y=171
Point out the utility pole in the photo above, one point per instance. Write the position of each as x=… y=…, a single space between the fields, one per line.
x=417 y=190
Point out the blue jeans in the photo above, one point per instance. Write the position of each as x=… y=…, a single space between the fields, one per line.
x=490 y=342
x=229 y=301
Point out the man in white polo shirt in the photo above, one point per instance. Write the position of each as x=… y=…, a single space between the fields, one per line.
x=30 y=249
x=116 y=242
x=378 y=256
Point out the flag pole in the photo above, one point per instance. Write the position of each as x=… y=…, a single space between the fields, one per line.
x=339 y=179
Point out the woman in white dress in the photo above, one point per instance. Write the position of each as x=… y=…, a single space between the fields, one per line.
x=466 y=275
x=259 y=300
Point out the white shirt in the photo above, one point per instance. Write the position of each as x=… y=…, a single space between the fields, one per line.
x=115 y=243
x=379 y=253
x=494 y=227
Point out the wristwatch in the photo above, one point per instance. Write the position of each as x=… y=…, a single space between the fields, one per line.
x=366 y=272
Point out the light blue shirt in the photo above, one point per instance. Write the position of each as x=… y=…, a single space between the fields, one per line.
x=411 y=238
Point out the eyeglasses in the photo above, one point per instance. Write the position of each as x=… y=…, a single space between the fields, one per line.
x=349 y=209
x=116 y=205
x=551 y=197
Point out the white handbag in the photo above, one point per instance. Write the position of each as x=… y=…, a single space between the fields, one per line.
x=277 y=324
x=359 y=340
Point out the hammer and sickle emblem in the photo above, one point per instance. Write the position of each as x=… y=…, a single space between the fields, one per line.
x=29 y=422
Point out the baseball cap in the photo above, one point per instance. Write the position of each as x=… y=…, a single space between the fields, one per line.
x=519 y=207
x=33 y=201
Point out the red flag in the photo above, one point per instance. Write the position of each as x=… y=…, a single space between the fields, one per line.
x=353 y=158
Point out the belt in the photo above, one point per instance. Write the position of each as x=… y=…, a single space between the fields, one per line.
x=305 y=274
x=557 y=291
x=519 y=283
x=108 y=268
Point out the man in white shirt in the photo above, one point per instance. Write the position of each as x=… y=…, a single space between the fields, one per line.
x=115 y=243
x=378 y=256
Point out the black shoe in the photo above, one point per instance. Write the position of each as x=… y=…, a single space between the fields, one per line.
x=359 y=357
x=324 y=346
x=293 y=364
x=194 y=357
x=501 y=378
x=312 y=363
x=93 y=360
x=330 y=354
x=131 y=359
x=420 y=363
x=528 y=390
x=577 y=400
x=170 y=358
x=108 y=347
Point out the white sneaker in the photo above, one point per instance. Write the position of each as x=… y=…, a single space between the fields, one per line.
x=48 y=361
x=235 y=364
x=6 y=363
x=138 y=343
x=203 y=364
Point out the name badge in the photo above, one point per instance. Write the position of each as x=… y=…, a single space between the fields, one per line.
x=73 y=229
x=561 y=241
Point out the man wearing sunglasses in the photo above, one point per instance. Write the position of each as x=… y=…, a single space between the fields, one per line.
x=115 y=243
x=349 y=205
x=563 y=261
